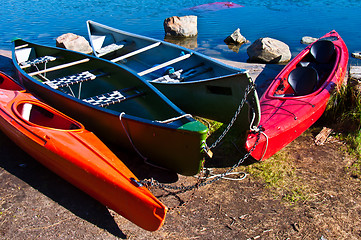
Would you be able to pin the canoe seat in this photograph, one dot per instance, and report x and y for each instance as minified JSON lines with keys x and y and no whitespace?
{"x":70,"y":80}
{"x":117,"y":96}
{"x":36,"y":61}
{"x":110,"y":48}
{"x":303,"y":80}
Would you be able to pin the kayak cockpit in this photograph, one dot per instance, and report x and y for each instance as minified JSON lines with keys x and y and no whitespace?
{"x":7,"y":83}
{"x":309,"y":73}
{"x":41,"y":116}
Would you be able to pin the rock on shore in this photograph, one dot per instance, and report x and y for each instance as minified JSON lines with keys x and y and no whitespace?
{"x":269,"y":50}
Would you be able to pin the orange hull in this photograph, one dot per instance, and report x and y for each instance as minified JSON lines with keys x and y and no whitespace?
{"x":77,"y":155}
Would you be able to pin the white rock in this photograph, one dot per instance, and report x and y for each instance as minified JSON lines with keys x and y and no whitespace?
{"x":308,"y":40}
{"x":356,"y":55}
{"x":235,"y":38}
{"x":73,"y":42}
{"x":269,"y":50}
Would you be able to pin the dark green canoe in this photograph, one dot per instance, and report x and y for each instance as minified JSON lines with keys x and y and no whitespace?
{"x":194,"y":82}
{"x":114,"y":103}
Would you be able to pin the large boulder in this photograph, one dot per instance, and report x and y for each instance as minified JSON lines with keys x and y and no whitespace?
{"x":185,"y":26}
{"x":235,"y":38}
{"x":269,"y":50}
{"x":73,"y":42}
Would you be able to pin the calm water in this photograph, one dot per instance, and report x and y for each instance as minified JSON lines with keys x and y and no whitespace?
{"x":42,"y":21}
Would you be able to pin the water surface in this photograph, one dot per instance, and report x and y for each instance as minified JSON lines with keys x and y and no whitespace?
{"x":42,"y":21}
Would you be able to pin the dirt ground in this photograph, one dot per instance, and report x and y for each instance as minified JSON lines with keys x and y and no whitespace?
{"x":37,"y":204}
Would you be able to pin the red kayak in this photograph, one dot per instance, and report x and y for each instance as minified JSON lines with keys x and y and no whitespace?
{"x":298,"y":96}
{"x":64,"y":146}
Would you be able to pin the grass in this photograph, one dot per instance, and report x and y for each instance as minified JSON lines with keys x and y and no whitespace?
{"x":343,"y":113}
{"x":280,"y":177}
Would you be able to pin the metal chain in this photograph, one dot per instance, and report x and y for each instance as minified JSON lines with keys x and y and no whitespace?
{"x":250,"y":87}
{"x":154,"y":183}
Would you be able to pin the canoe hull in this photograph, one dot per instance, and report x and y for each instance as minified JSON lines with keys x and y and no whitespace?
{"x":82,"y":159}
{"x":215,"y":99}
{"x":285,"y":118}
{"x":214,"y":90}
{"x":176,"y":145}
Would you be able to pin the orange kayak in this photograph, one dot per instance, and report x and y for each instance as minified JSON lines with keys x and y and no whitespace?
{"x":64,"y":146}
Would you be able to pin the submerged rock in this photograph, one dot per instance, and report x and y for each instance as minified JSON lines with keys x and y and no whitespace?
{"x":188,"y":42}
{"x":308,"y":40}
{"x":235,"y":38}
{"x":269,"y":50}
{"x":185,"y":26}
{"x":73,"y":42}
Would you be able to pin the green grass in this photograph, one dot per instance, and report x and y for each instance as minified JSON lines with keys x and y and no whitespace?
{"x":343,"y":114}
{"x":280,"y":177}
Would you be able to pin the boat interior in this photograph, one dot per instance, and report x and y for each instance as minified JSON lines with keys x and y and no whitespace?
{"x":8,"y":84}
{"x":310,"y":73}
{"x":40,"y":116}
{"x":154,"y":60}
{"x":94,"y":81}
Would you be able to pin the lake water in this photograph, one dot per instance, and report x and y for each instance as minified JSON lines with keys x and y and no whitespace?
{"x":42,"y":21}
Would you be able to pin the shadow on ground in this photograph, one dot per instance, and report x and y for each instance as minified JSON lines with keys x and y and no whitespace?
{"x":25,"y":168}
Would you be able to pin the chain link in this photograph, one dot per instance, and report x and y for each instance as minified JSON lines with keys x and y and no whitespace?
{"x":154,"y":183}
{"x":249,"y":89}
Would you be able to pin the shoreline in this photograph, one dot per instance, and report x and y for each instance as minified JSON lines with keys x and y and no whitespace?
{"x":262,"y":74}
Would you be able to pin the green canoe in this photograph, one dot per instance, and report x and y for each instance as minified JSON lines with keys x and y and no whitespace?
{"x":114,"y":103}
{"x":194,"y":82}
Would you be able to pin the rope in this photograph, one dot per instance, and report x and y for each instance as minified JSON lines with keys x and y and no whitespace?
{"x":242,"y":177}
{"x":130,"y":139}
{"x":175,"y":118}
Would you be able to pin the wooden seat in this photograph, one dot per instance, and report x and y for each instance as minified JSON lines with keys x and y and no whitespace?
{"x":131,"y":54}
{"x":114,"y":97}
{"x":110,"y":48}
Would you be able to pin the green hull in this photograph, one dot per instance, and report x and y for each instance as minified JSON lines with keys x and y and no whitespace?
{"x":144,"y":120}
{"x":200,"y":85}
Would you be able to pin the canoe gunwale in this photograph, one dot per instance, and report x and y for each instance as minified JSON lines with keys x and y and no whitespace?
{"x":202,"y":97}
{"x":109,"y":111}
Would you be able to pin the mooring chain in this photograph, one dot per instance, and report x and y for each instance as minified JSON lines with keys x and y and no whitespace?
{"x":251,"y":87}
{"x":154,"y":183}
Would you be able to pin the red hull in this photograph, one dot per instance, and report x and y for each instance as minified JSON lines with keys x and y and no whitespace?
{"x":284,"y":118}
{"x":68,"y":149}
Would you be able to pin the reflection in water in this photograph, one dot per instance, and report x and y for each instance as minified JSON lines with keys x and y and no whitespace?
{"x":234,"y":47}
{"x":187,"y":42}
